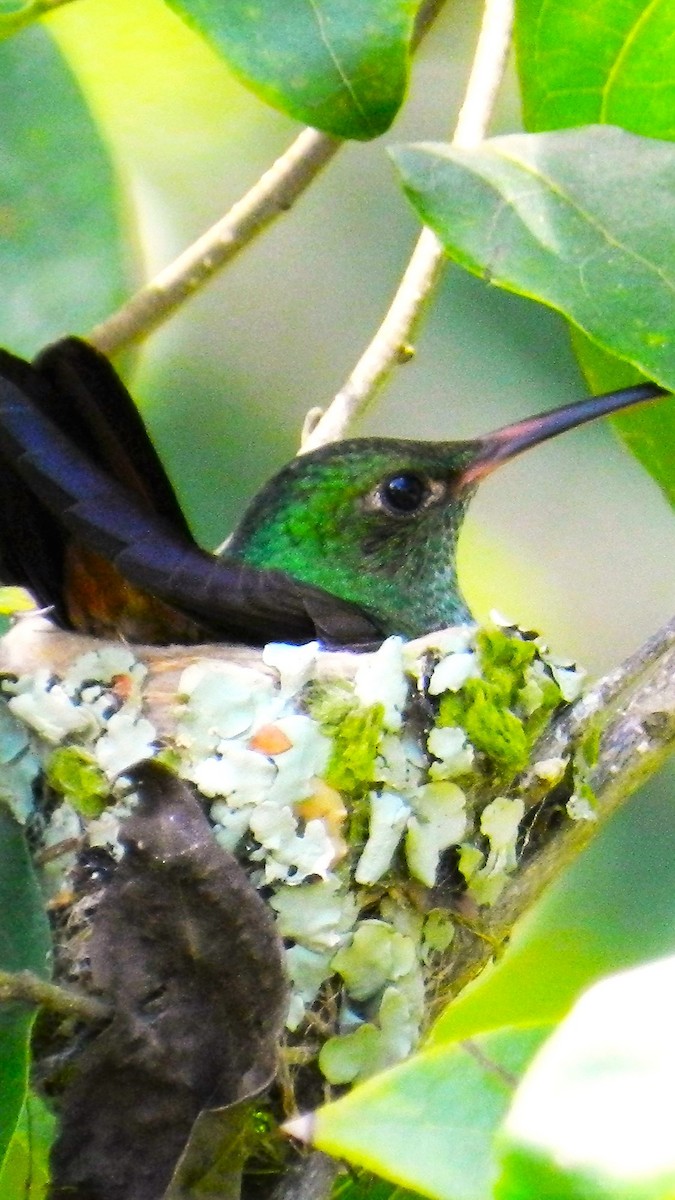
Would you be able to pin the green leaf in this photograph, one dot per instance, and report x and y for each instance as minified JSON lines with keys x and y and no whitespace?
{"x":24,"y":1175}
{"x":429,"y":1124}
{"x":545,"y":215}
{"x":579,"y":63}
{"x":593,"y":1117}
{"x":613,"y":63}
{"x":24,"y":945}
{"x":648,"y":432}
{"x":61,"y":255}
{"x":339,"y":67}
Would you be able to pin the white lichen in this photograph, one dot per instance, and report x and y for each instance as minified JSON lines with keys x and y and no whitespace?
{"x":342,"y":832}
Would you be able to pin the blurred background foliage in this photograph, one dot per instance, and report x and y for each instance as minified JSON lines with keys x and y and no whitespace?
{"x":573,"y":539}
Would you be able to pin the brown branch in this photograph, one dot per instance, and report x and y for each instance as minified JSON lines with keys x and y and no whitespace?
{"x":23,"y":987}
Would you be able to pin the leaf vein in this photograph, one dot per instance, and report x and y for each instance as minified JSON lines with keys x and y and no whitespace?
{"x":593,"y":221}
{"x":626,"y":45}
{"x":349,"y":87}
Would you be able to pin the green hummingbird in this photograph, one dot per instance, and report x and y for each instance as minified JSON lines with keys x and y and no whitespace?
{"x":349,"y":543}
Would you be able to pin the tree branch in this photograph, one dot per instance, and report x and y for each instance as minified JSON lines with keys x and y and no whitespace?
{"x":390,"y":346}
{"x":270,"y":197}
{"x":25,"y":988}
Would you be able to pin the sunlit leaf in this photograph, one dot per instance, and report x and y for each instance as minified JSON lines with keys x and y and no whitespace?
{"x":61,"y":255}
{"x":547,"y":216}
{"x":579,"y":63}
{"x":429,"y":1124}
{"x":593,"y":1115}
{"x":339,"y":67}
{"x":611,"y":63}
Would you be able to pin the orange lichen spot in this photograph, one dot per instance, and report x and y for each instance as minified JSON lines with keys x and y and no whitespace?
{"x":122,"y":686}
{"x":270,"y":739}
{"x":326,"y":804}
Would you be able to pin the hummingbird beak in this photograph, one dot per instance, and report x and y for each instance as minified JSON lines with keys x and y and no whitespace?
{"x":503,"y":445}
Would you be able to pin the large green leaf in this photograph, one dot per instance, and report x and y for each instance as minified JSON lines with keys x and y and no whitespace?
{"x":546,"y":215}
{"x":61,"y":255}
{"x":611,"y":62}
{"x":339,"y":67}
{"x":24,"y":933}
{"x":429,"y":1124}
{"x":593,"y":1117}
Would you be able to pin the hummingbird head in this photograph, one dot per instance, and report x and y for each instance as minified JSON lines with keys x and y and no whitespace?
{"x":372,"y":520}
{"x":376,"y":520}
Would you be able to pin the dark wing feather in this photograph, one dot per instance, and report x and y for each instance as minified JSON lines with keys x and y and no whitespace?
{"x":99,"y":416}
{"x":31,"y":538}
{"x":227,"y":598}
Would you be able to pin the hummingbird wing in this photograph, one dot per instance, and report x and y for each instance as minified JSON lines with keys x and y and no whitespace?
{"x":99,"y":416}
{"x":77,"y":388}
{"x":58,"y":493}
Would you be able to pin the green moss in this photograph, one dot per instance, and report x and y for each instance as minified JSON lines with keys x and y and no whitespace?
{"x":170,"y":758}
{"x":504,"y":711}
{"x":355,"y":741}
{"x":585,"y":758}
{"x":504,"y":660}
{"x":77,"y":777}
{"x":354,"y":731}
{"x":490,"y":725}
{"x":589,"y":747}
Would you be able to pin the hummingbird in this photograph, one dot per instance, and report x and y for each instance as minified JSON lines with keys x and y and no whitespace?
{"x":348,"y":544}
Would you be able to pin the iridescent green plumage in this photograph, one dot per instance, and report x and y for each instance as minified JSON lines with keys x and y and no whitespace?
{"x":323,"y":520}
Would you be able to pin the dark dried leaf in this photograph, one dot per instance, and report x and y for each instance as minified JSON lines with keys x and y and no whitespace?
{"x":188,"y":954}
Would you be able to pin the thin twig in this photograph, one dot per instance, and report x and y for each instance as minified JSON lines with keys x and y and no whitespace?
{"x":390,"y":346}
{"x":270,"y":197}
{"x":25,"y":988}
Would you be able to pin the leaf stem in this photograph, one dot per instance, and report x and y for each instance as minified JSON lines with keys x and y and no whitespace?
{"x":390,"y":345}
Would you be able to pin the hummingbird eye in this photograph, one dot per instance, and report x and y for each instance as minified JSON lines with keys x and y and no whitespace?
{"x":404,"y":494}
